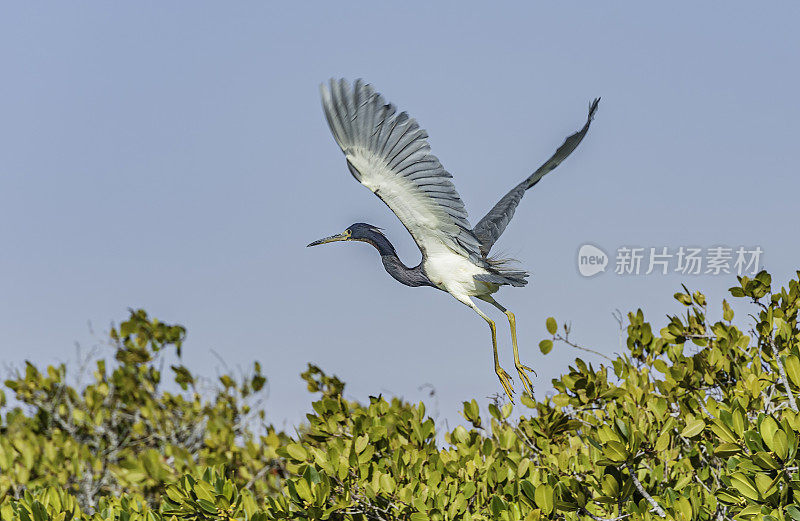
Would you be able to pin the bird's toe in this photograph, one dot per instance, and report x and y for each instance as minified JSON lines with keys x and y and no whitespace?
{"x":505,"y":380}
{"x":526,"y":381}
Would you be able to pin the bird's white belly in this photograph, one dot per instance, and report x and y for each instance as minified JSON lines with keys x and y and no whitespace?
{"x":456,"y":274}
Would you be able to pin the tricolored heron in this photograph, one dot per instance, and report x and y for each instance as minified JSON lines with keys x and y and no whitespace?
{"x":388,"y":153}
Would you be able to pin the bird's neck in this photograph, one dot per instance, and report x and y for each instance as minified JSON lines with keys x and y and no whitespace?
{"x":382,"y":244}
{"x":394,"y":266}
{"x":413,"y":277}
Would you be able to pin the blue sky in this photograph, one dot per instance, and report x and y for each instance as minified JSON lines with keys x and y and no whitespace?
{"x":177,"y":160}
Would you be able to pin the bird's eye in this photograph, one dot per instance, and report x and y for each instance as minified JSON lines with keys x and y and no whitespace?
{"x":348,"y":233}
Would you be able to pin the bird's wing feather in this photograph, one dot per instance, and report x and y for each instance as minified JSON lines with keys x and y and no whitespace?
{"x":388,"y":153}
{"x":489,"y":229}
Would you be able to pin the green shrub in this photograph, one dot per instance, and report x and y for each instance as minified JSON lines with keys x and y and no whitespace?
{"x":696,"y":421}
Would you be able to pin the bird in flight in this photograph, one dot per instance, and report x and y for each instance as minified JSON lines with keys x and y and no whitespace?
{"x":388,"y":153}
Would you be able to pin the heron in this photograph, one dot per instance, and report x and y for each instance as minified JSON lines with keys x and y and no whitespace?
{"x":388,"y":153}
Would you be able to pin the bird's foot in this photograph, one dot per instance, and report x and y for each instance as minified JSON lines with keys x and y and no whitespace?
{"x":506,"y":381}
{"x":523,"y":370}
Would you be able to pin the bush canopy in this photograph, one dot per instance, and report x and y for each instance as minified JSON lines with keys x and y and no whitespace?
{"x":698,"y":420}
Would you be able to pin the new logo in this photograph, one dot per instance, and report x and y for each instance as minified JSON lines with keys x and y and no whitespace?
{"x":591,"y":260}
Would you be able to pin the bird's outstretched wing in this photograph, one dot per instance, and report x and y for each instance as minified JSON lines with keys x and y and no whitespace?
{"x":388,"y":153}
{"x":491,"y":227}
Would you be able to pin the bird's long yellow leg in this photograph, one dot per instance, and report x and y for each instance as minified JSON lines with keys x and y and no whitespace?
{"x":505,"y":380}
{"x":521,"y":369}
{"x":501,"y":373}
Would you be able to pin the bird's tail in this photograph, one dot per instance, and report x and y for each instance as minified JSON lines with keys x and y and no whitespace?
{"x":504,"y":272}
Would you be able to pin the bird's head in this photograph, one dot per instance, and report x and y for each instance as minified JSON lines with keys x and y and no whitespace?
{"x":356,"y":232}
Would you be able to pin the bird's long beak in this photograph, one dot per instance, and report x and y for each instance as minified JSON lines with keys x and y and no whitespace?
{"x":332,"y":238}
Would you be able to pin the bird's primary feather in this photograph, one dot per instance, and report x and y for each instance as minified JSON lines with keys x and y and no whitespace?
{"x":388,"y":153}
{"x":491,"y":227}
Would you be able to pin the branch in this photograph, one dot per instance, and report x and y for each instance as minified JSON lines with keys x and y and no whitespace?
{"x":643,"y":492}
{"x":782,"y":372}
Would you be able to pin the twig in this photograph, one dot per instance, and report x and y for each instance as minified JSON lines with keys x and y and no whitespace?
{"x":617,"y":314}
{"x":703,"y":408}
{"x":257,"y":476}
{"x":565,"y":338}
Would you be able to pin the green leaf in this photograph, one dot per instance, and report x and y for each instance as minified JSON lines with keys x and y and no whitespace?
{"x":663,"y":441}
{"x":693,"y":428}
{"x":552,"y":325}
{"x":296,"y":451}
{"x":737,"y":421}
{"x":361,"y":443}
{"x":684,"y":507}
{"x":727,"y":312}
{"x":303,"y":490}
{"x":497,"y":505}
{"x":470,"y":488}
{"x":472,"y":413}
{"x":719,"y":428}
{"x":736,"y":291}
{"x":780,"y":444}
{"x":725,"y":450}
{"x":545,"y":498}
{"x":545,"y":346}
{"x":752,"y":510}
{"x":767,"y":429}
{"x":766,"y":484}
{"x":387,"y":483}
{"x":765,"y":460}
{"x":792,"y":365}
{"x":527,"y":401}
{"x":528,"y":489}
{"x":610,"y":486}
{"x":203,"y":490}
{"x":39,"y":512}
{"x":615,"y":451}
{"x":208,"y":506}
{"x":727,"y":495}
{"x":745,"y":487}
{"x":176,"y":494}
